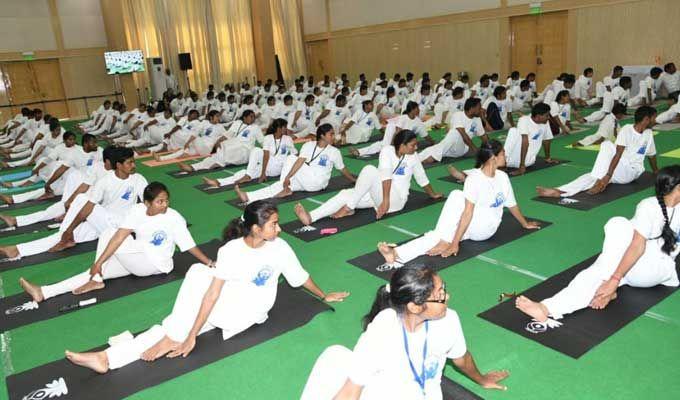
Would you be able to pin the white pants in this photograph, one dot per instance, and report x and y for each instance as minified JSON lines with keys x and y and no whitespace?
{"x":591,"y":139}
{"x":625,"y":172}
{"x":303,"y":180}
{"x":30,"y":195}
{"x":199,"y":147}
{"x":439,"y":110}
{"x":229,"y":153}
{"x":452,"y":145}
{"x":375,"y":147}
{"x":51,"y":212}
{"x":358,"y":134}
{"x":666,"y":116}
{"x":129,"y":259}
{"x":329,"y":374}
{"x":482,"y":226}
{"x":640,"y":99}
{"x":596,"y":116}
{"x":303,"y":127}
{"x":513,"y":150}
{"x":254,"y":168}
{"x":367,"y":193}
{"x":653,"y":268}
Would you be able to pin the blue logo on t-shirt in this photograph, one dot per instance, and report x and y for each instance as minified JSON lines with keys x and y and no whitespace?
{"x":323,"y":160}
{"x":564,"y":114}
{"x":401,"y":170}
{"x":284,"y":149}
{"x":208,"y":131}
{"x":473,"y":128}
{"x":500,"y":199}
{"x":158,"y":238}
{"x":369,"y":122}
{"x":536,"y":136}
{"x":337,"y":113}
{"x":127,"y":194}
{"x":262,"y":276}
{"x":642,"y":149}
{"x":245,"y":133}
{"x":431,"y":368}
{"x":90,"y":161}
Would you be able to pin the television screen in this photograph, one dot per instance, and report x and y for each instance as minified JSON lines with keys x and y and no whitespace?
{"x":123,"y":62}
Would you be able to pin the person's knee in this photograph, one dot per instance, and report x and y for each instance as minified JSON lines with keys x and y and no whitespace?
{"x":336,"y":353}
{"x":198,"y":269}
{"x":369,"y":171}
{"x":618,"y":225}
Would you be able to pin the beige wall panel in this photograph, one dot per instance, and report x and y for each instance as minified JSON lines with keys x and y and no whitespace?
{"x":25,"y":25}
{"x":82,"y":24}
{"x":86,"y":76}
{"x":314,"y":14}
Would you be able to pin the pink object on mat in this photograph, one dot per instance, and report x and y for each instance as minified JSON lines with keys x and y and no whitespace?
{"x":329,"y":231}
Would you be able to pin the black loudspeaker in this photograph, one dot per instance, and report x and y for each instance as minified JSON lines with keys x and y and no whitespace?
{"x":184,"y":61}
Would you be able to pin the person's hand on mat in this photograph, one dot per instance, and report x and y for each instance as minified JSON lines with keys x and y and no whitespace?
{"x":263,"y":179}
{"x":532,"y":225}
{"x":452,"y":250}
{"x":551,"y":161}
{"x":383,"y":208}
{"x":491,"y":380}
{"x":599,"y":186}
{"x":185,"y":348}
{"x":519,"y":171}
{"x":436,"y":196}
{"x":335,"y":297}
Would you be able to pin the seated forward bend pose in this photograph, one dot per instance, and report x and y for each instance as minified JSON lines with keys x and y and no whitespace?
{"x":175,"y":140}
{"x":359,"y":127}
{"x":608,"y":128}
{"x":474,"y":213}
{"x":649,"y":87}
{"x":409,"y":120}
{"x":233,"y":147}
{"x":618,"y":94}
{"x":157,"y":229}
{"x":560,"y":114}
{"x":619,"y":163}
{"x":524,"y":142}
{"x":670,"y":78}
{"x":673,"y":112}
{"x":497,"y":110}
{"x":265,"y":162}
{"x":248,"y":266}
{"x":385,"y":188}
{"x":202,"y":140}
{"x":310,"y":171}
{"x":409,"y":334}
{"x":639,"y":252}
{"x":465,"y":125}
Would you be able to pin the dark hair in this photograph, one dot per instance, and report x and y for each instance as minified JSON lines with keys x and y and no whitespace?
{"x":410,"y":106}
{"x":424,"y":88}
{"x":531,"y":75}
{"x":666,"y":180}
{"x":540,"y":109}
{"x":109,"y":154}
{"x":487,"y":150}
{"x":619,"y":109}
{"x":457,"y":91}
{"x":275,"y":125}
{"x":587,"y":71}
{"x":625,"y":80}
{"x":68,"y":135}
{"x":287,"y":98}
{"x":390,"y":90}
{"x":87,"y":138}
{"x":408,"y":284}
{"x":245,"y":114}
{"x":54,"y":124}
{"x":256,"y":213}
{"x":569,"y":79}
{"x":122,"y":154}
{"x":365,"y":104}
{"x":153,"y":189}
{"x":340,"y":98}
{"x":655,"y":71}
{"x":471,"y":103}
{"x":668,"y":66}
{"x":514,"y":75}
{"x":322,"y":130}
{"x":674,"y":96}
{"x":644,"y":111}
{"x":524,"y":84}
{"x":193,"y":111}
{"x":561,"y":94}
{"x":618,"y":68}
{"x":499,"y":90}
{"x":309,"y":97}
{"x":404,"y":136}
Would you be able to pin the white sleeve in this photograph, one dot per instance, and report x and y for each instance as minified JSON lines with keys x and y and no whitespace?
{"x":291,"y":268}
{"x":459,"y":347}
{"x":522,"y":127}
{"x":368,"y":352}
{"x":419,"y":174}
{"x":385,"y":167}
{"x":458,"y":121}
{"x":338,"y":163}
{"x":96,"y":192}
{"x":510,"y":201}
{"x":651,"y":148}
{"x":471,"y":189}
{"x":132,"y":219}
{"x":554,"y":109}
{"x":181,"y":234}
{"x":643,"y":221}
{"x":141,"y":185}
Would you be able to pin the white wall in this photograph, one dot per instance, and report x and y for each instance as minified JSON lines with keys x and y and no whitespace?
{"x":82,"y":24}
{"x":314,"y":16}
{"x":25,"y":25}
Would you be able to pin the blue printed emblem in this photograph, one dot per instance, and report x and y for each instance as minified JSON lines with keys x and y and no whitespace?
{"x":158,"y":238}
{"x":500,"y":199}
{"x":337,"y":113}
{"x":90,"y":162}
{"x":263,"y":276}
{"x":401,"y":170}
{"x":245,"y":133}
{"x":127,"y":194}
{"x":431,"y":368}
{"x":323,"y":160}
{"x":473,"y":128}
{"x":642,"y":150}
{"x":208,"y":131}
{"x":536,"y":136}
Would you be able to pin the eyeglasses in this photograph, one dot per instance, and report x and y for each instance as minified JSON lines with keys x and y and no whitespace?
{"x":443,"y":294}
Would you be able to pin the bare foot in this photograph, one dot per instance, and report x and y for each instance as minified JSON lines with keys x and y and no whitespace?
{"x":156,"y":156}
{"x":354,"y":152}
{"x":388,"y":252}
{"x":185,"y":167}
{"x":46,"y":195}
{"x":62,"y":245}
{"x":6,"y":199}
{"x":9,"y":220}
{"x":89,"y":287}
{"x":158,"y":350}
{"x":98,"y":362}
{"x":576,"y":144}
{"x":343,"y":212}
{"x":9,"y":251}
{"x":456,"y":174}
{"x":32,"y":290}
{"x":303,"y":215}
{"x":548,"y":192}
{"x":284,"y":193}
{"x":7,"y":185}
{"x":438,"y":249}
{"x":207,"y":181}
{"x":241,"y":194}
{"x":535,"y":310}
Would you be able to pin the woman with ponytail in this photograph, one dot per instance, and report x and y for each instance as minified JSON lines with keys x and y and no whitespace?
{"x":475,"y":213}
{"x":639,"y":252}
{"x":385,"y":188}
{"x":234,"y":295}
{"x":408,"y":336}
{"x":265,"y":162}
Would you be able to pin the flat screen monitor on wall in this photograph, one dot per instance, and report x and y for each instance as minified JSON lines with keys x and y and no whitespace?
{"x":123,"y":62}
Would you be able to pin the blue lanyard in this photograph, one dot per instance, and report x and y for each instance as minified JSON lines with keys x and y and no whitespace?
{"x":418,"y":378}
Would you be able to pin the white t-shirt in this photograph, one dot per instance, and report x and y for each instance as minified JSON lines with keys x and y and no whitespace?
{"x":536,"y":134}
{"x":336,"y":115}
{"x":246,"y":134}
{"x":581,"y":87}
{"x":322,"y":160}
{"x":400,"y":170}
{"x":638,"y":145}
{"x":649,"y":83}
{"x":472,"y":126}
{"x":118,"y":195}
{"x":159,"y":234}
{"x":365,"y":120}
{"x":482,"y":92}
{"x":251,"y":281}
{"x":415,"y":125}
{"x":454,"y":105}
{"x":607,"y":127}
{"x":671,"y":82}
{"x":489,"y":194}
{"x":504,"y":106}
{"x":563,"y":111}
{"x":380,"y":363}
{"x":649,"y":221}
{"x":611,"y":82}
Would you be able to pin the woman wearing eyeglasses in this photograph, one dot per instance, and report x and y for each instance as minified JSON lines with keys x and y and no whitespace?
{"x":408,"y":335}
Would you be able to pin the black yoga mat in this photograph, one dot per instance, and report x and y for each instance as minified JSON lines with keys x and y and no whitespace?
{"x":421,"y":145}
{"x":584,"y":201}
{"x":584,"y":329}
{"x":453,"y":391}
{"x":30,"y":203}
{"x":539,"y":165}
{"x":334,"y":184}
{"x":508,"y":231}
{"x":211,"y":190}
{"x":361,"y":217}
{"x":376,"y":137}
{"x":6,"y":231}
{"x":19,"y":310}
{"x":80,"y":248}
{"x":449,"y":160}
{"x":182,"y":174}
{"x":293,"y":309}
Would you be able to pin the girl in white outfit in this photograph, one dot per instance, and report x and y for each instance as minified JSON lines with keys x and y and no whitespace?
{"x":202,"y":142}
{"x":360,"y":126}
{"x":157,"y":230}
{"x":639,"y":252}
{"x":524,"y":142}
{"x":265,"y":162}
{"x":608,"y":128}
{"x":302,"y":123}
{"x":620,"y":163}
{"x":475,"y":213}
{"x":248,"y":266}
{"x":310,"y":171}
{"x":409,"y":335}
{"x":385,"y":189}
{"x":175,"y":140}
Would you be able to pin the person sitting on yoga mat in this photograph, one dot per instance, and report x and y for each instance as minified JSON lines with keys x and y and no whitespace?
{"x":409,"y":334}
{"x":618,"y":94}
{"x":178,"y":136}
{"x":620,"y":163}
{"x":202,"y":141}
{"x":639,"y":252}
{"x":233,"y":147}
{"x":465,"y":125}
{"x":265,"y":162}
{"x":475,"y":213}
{"x":524,"y":142}
{"x":301,"y":124}
{"x":359,"y":127}
{"x":560,"y":113}
{"x":497,"y":110}
{"x":608,"y":129}
{"x":409,"y":121}
{"x":103,"y":207}
{"x":310,"y":171}
{"x":385,"y":189}
{"x":672,"y":115}
{"x":157,"y":229}
{"x":248,"y":267}
{"x":44,"y":143}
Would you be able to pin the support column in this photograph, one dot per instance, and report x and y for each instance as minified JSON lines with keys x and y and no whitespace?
{"x":263,"y":39}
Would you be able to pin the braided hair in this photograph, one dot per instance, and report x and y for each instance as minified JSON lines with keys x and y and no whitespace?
{"x":666,"y":180}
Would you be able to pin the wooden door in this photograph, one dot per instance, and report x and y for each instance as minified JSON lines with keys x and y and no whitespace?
{"x":37,"y":84}
{"x":318,"y":57}
{"x":47,"y":75}
{"x":539,"y":44}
